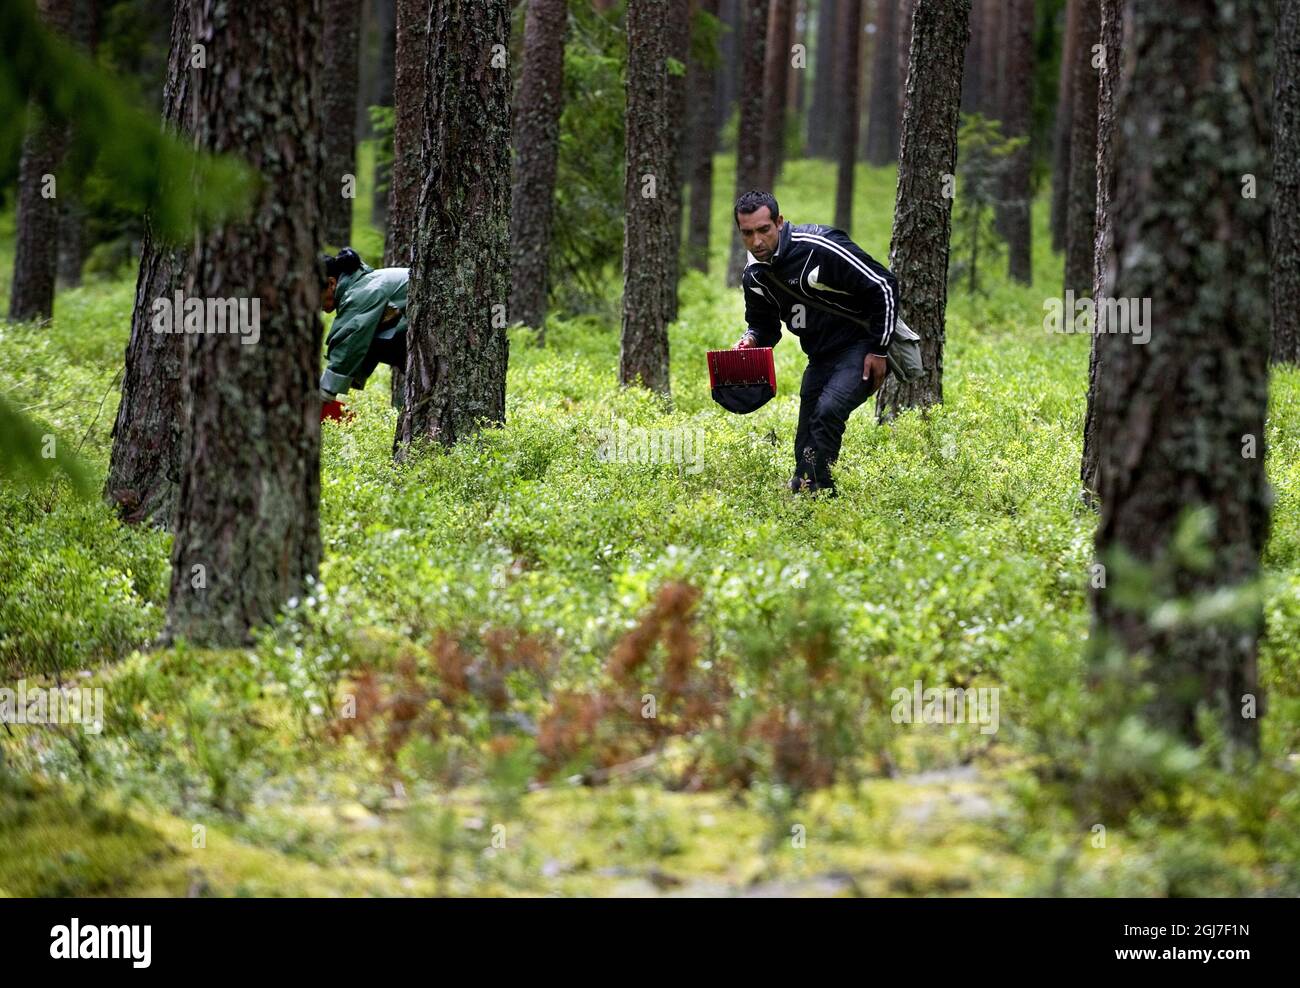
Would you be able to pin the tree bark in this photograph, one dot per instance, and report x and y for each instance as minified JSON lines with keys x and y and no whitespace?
{"x":144,"y":468}
{"x":410,"y":79}
{"x":1062,"y":158}
{"x":72,"y":211}
{"x":643,"y":354}
{"x":728,"y":75}
{"x":1081,"y":215}
{"x":339,"y":87}
{"x":678,"y":39}
{"x":904,"y":44}
{"x":882,"y":121}
{"x":1111,"y":36}
{"x":1181,"y":418}
{"x":1286,"y":187}
{"x":36,"y":225}
{"x":385,"y":83}
{"x":749,"y":150}
{"x":971,"y":82}
{"x":994,"y":48}
{"x":775,"y":82}
{"x":537,"y":144}
{"x":821,"y":115}
{"x":850,"y":36}
{"x":704,"y":138}
{"x":1018,"y":86}
{"x":794,"y":78}
{"x":247,"y":525}
{"x":457,"y":350}
{"x":409,"y":87}
{"x":386,"y":71}
{"x":923,"y":208}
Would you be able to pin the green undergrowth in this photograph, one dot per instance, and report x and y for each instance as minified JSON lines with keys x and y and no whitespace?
{"x":490,"y":622}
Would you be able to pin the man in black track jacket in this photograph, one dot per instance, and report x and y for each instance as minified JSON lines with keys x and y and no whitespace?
{"x":841,"y":304}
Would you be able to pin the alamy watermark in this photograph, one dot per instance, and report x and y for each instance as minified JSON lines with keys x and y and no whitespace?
{"x":58,"y":705}
{"x":1109,"y":315}
{"x":952,"y":705}
{"x":132,"y":942}
{"x":242,"y":316}
{"x":637,"y":444}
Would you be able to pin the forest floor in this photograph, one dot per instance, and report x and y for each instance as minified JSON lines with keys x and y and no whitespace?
{"x":460,"y":707}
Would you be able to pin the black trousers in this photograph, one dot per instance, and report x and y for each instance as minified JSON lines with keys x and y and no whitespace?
{"x":832,"y":388}
{"x":391,"y":351}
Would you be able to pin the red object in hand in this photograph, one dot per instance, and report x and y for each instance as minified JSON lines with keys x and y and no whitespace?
{"x":334,"y":411}
{"x":751,"y":365}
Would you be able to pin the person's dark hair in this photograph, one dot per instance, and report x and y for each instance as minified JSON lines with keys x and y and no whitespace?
{"x":345,"y":262}
{"x":754,"y":200}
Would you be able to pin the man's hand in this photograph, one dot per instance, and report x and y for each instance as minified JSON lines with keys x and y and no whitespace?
{"x":745,"y":342}
{"x":874,"y":369}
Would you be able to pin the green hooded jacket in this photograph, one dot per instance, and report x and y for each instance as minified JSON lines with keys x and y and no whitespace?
{"x":360,"y":301}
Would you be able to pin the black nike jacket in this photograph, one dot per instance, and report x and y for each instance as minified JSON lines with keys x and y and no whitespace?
{"x":825,"y":288}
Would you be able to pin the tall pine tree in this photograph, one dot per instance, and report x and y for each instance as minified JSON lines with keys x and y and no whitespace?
{"x":1180,"y":417}
{"x":247,"y":521}
{"x":456,"y":349}
{"x":643,"y":353}
{"x":923,"y":208}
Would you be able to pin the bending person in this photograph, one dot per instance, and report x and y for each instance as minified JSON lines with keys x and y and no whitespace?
{"x":370,"y":322}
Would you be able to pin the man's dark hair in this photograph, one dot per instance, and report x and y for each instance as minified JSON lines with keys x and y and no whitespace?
{"x":344,"y":263}
{"x":752,"y":201}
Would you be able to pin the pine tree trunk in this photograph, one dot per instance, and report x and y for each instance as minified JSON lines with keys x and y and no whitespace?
{"x":923,"y":210}
{"x":867,"y":48}
{"x":36,"y":232}
{"x":247,"y":520}
{"x":850,"y":31}
{"x":72,"y":240}
{"x":1081,"y":215}
{"x":1111,"y":36}
{"x":643,"y":354}
{"x":749,"y":153}
{"x":537,"y":142}
{"x":1018,"y":86}
{"x":1181,"y":418}
{"x":971,"y":81}
{"x":456,"y":349}
{"x":882,"y":121}
{"x":821,"y":115}
{"x":72,"y":212}
{"x":385,"y":13}
{"x":704,"y":139}
{"x":994,"y":48}
{"x":144,"y":468}
{"x":678,"y":39}
{"x":728,"y":74}
{"x":1062,"y":158}
{"x":404,"y":176}
{"x":775,"y":80}
{"x":339,"y":86}
{"x":410,"y":82}
{"x":794,"y":79}
{"x":385,"y":83}
{"x":904,"y":41}
{"x":1286,"y":186}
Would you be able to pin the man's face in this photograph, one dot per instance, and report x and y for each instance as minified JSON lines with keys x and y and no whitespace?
{"x":760,"y":232}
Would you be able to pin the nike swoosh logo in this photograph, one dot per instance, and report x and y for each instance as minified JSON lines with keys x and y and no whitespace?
{"x":813,"y":283}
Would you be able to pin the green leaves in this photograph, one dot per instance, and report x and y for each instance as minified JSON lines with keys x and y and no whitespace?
{"x":150,"y":170}
{"x":29,"y":456}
